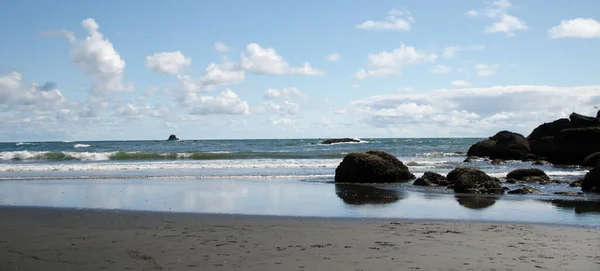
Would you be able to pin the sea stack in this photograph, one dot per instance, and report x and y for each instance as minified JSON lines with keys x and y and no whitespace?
{"x":173,"y":137}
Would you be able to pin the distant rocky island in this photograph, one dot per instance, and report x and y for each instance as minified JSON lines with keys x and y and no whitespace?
{"x":173,"y":137}
{"x":340,"y":140}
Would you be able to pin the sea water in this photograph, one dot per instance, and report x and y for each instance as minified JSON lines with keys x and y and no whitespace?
{"x":272,"y":177}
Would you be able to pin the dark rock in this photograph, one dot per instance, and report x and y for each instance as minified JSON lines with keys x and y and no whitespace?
{"x":591,"y":180}
{"x":340,"y":140}
{"x":173,"y":137}
{"x":528,"y":175}
{"x":525,"y":190}
{"x":511,"y":181}
{"x":578,"y":120}
{"x":576,"y":183}
{"x":503,"y":145}
{"x":541,"y":163}
{"x":371,"y":167}
{"x":475,"y":181}
{"x":549,"y":129}
{"x":470,"y":159}
{"x":591,"y":160}
{"x":498,"y":162}
{"x":476,"y":201}
{"x":431,"y":178}
{"x":568,"y":193}
{"x":566,"y":141}
{"x":357,"y":194}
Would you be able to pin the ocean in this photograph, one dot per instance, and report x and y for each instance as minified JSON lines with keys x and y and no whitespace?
{"x":270,"y":177}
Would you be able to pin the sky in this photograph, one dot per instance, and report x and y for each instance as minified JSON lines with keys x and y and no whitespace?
{"x":136,"y":70}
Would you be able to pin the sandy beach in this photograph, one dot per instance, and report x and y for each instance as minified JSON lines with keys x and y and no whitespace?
{"x":70,"y":239}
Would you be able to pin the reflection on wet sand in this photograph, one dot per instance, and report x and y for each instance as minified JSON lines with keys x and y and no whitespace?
{"x":578,"y":206}
{"x":476,"y":201}
{"x":365,"y":194}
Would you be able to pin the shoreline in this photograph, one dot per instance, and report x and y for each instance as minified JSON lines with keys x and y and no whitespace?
{"x":41,"y":238}
{"x":127,"y":212}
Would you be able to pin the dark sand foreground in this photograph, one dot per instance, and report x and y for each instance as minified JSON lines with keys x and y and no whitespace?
{"x":63,"y":239}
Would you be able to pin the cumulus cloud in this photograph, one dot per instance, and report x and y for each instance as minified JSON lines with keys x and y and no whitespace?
{"x":334,"y":57}
{"x":225,"y":73}
{"x":168,"y":62}
{"x":475,"y":111}
{"x":486,"y":70}
{"x":266,"y":61}
{"x":396,"y":20}
{"x":283,"y":102}
{"x":221,"y":47}
{"x":502,"y":21}
{"x":15,"y":94}
{"x":99,"y":59}
{"x":576,"y":28}
{"x":387,"y":63}
{"x":460,"y":83}
{"x":227,"y":103}
{"x":441,"y":69}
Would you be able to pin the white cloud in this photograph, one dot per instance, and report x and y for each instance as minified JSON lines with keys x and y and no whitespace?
{"x":441,"y":69}
{"x":474,"y":111}
{"x":168,"y":62}
{"x":335,"y":57}
{"x":281,"y":121}
{"x":15,"y":94}
{"x":460,"y":83}
{"x":267,"y":61}
{"x":486,"y":70}
{"x":221,"y":47}
{"x":502,"y":21}
{"x":98,"y":58}
{"x":283,"y":102}
{"x":222,"y":74}
{"x":130,"y":110}
{"x":397,"y":20}
{"x":386,"y":63}
{"x":576,"y":28}
{"x":227,"y":103}
{"x":225,"y":73}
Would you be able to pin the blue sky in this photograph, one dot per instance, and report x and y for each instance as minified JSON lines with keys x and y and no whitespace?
{"x":109,"y":70}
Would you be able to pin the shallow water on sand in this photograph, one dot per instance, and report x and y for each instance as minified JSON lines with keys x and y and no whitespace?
{"x":286,"y":197}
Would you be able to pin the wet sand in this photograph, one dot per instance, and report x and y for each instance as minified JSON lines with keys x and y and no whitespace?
{"x":68,"y":239}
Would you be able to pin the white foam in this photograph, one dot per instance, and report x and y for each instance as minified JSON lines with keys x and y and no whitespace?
{"x":80,"y":146}
{"x":212,"y":164}
{"x":24,"y":143}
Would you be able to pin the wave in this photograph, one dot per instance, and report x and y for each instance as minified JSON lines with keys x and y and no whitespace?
{"x":24,"y":143}
{"x":101,"y":156}
{"x":81,"y":146}
{"x":145,"y":166}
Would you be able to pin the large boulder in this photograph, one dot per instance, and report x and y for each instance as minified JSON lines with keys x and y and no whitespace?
{"x":503,"y":145}
{"x":591,"y":160}
{"x":340,"y":140}
{"x":173,"y":137}
{"x":591,"y":180}
{"x":474,"y":181}
{"x":372,"y":167}
{"x":430,"y":179}
{"x":566,"y":141}
{"x":528,"y":175}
